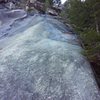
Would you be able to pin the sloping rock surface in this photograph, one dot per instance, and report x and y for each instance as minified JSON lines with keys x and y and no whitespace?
{"x":39,"y":62}
{"x":8,"y":17}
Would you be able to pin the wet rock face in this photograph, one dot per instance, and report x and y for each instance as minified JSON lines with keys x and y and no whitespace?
{"x":39,"y":62}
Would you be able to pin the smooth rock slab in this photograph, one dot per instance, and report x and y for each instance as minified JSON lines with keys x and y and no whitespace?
{"x":36,"y":66}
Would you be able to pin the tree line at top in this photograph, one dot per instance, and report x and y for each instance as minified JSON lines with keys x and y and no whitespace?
{"x":85,"y":18}
{"x":84,"y":14}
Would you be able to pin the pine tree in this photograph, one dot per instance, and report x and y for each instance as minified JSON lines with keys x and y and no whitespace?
{"x":86,"y":18}
{"x":94,"y":10}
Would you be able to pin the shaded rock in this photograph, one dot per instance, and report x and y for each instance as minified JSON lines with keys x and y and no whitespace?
{"x":8,"y":17}
{"x":10,"y":5}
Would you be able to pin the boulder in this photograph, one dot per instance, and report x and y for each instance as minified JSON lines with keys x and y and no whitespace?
{"x":39,"y":6}
{"x":10,"y":5}
{"x":52,"y":12}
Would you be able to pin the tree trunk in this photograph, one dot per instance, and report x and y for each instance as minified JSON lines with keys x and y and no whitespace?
{"x":97,"y":25}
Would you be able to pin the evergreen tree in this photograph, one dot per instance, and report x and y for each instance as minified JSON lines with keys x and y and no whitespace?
{"x":94,"y":6}
{"x":86,"y":19}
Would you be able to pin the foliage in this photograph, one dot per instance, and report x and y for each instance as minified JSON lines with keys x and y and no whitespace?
{"x":48,"y":3}
{"x":91,"y":42}
{"x":83,"y":14}
{"x":85,"y":17}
